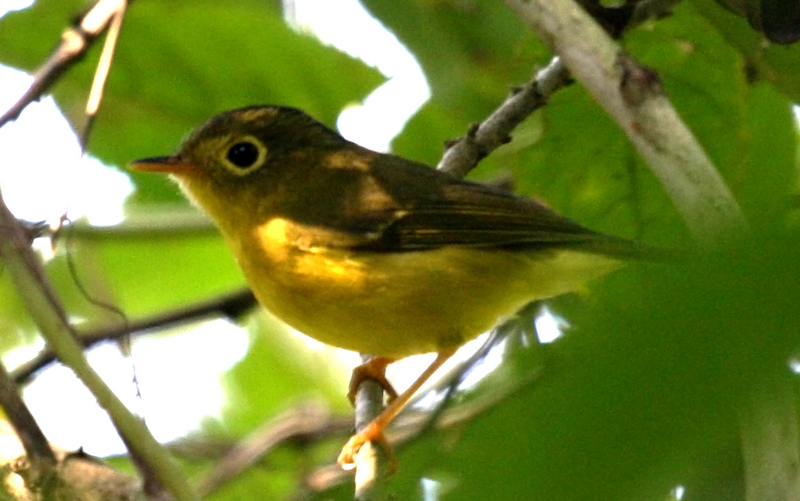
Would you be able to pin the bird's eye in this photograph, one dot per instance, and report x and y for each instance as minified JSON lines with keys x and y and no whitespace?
{"x":243,"y":154}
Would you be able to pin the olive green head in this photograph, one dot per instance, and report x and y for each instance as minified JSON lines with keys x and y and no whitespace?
{"x":239,"y":143}
{"x":247,"y":158}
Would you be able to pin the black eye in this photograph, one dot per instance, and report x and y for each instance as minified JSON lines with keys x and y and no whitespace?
{"x":243,"y":154}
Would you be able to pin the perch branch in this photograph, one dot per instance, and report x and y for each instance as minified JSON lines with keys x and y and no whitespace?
{"x":371,"y":463}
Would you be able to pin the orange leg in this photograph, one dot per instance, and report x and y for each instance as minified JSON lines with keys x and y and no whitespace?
{"x":373,"y":432}
{"x":375,"y":369}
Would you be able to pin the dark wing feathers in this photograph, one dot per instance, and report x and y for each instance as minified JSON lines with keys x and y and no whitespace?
{"x":470,"y":214}
{"x":420,"y":208}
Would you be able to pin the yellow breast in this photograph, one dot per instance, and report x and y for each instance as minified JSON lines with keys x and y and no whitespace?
{"x":399,"y":304}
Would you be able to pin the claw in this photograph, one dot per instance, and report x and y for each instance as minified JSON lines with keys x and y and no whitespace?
{"x":375,"y":369}
{"x":373,"y":432}
{"x":347,"y":458}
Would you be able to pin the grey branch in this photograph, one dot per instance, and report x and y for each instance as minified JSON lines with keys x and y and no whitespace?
{"x":465,"y":153}
{"x":632,"y":95}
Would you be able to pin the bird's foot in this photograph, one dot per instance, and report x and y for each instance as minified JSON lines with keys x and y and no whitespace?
{"x":375,"y":369}
{"x":373,"y":434}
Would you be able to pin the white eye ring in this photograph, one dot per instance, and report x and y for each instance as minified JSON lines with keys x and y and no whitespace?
{"x":244,"y":155}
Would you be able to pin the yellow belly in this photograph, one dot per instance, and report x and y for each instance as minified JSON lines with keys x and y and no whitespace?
{"x":400,"y":304}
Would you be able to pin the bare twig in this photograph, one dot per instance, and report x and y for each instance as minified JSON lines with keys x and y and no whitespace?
{"x":103,"y":69}
{"x":230,"y":305}
{"x":465,"y":153}
{"x":75,"y":41}
{"x":306,"y":422}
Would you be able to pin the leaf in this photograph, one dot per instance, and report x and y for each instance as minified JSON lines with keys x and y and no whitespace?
{"x":179,"y":63}
{"x":632,"y":401}
{"x":777,"y":64}
{"x":472,"y":53}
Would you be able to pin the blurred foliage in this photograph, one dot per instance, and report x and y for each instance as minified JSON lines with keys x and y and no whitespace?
{"x":642,"y":393}
{"x":779,"y":20}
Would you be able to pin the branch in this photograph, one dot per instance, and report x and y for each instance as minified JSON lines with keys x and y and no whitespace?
{"x":411,"y":424}
{"x":371,"y":463}
{"x":51,"y":319}
{"x":41,"y":458}
{"x":75,"y":42}
{"x":633,"y":96}
{"x":308,"y":422}
{"x":230,"y":305}
{"x":464,"y":154}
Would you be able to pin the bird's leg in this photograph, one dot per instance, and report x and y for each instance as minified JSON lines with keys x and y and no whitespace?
{"x":375,"y":369}
{"x":373,"y":432}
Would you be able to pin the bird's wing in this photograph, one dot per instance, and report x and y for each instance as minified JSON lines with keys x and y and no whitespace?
{"x":408,"y":207}
{"x":471,"y":214}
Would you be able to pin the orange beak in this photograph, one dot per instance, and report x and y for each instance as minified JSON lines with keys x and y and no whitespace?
{"x":168,"y":165}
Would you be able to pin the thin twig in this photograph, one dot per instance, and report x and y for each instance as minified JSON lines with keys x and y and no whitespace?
{"x":230,"y":305}
{"x":307,"y":422}
{"x":450,"y":382}
{"x":464,"y":154}
{"x":103,"y":69}
{"x":75,"y":42}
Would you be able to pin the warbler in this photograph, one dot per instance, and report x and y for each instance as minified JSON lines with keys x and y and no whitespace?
{"x":372,"y":252}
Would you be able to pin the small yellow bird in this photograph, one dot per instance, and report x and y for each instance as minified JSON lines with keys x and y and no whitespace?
{"x":372,"y":252}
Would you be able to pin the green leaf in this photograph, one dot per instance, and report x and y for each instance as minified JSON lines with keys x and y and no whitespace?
{"x":127,"y":266}
{"x":472,"y":53}
{"x":778,"y":64}
{"x":179,"y":63}
{"x":632,"y":401}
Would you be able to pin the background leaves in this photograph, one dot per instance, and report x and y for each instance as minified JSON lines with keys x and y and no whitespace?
{"x":642,"y":393}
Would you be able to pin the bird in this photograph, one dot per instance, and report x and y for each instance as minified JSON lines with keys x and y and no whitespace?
{"x":373,"y":252}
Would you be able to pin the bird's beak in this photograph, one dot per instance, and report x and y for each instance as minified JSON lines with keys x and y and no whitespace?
{"x":168,"y":165}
